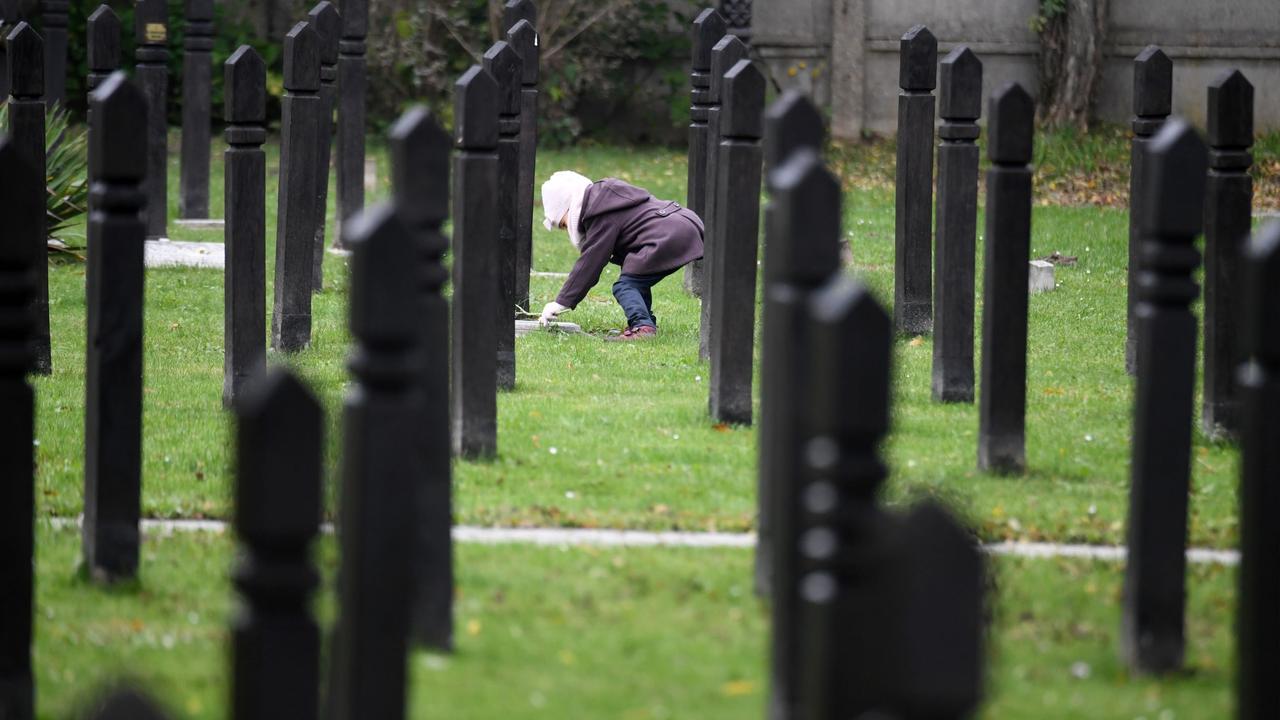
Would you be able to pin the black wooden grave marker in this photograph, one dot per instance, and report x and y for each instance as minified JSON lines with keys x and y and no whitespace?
{"x":1172,"y":205}
{"x":1152,"y":103}
{"x":474,"y":339}
{"x":420,"y":180}
{"x":794,"y":264}
{"x":913,"y":241}
{"x":382,"y":459}
{"x":197,"y":99}
{"x":724,"y":56}
{"x":353,"y":80}
{"x":244,"y":232}
{"x":113,"y":353}
{"x":1227,"y":221}
{"x":53,"y":28}
{"x":504,"y":64}
{"x":732,"y":287}
{"x":1002,"y":405}
{"x":27,"y":133}
{"x":18,"y":260}
{"x":275,"y":646}
{"x":1257,"y":624}
{"x":327,"y":22}
{"x":960,"y":106}
{"x":522,"y":36}
{"x":296,"y":217}
{"x":103,"y":48}
{"x":708,"y":28}
{"x":151,"y":55}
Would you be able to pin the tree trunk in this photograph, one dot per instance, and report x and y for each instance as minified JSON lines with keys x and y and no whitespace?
{"x":1071,"y":62}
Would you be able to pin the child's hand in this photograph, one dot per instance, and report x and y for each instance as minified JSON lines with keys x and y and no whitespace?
{"x":550,"y":311}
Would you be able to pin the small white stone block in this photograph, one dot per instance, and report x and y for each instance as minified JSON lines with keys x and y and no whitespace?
{"x":546,"y":274}
{"x":1040,"y":276}
{"x":175,"y":253}
{"x":524,"y":327}
{"x":201,"y":223}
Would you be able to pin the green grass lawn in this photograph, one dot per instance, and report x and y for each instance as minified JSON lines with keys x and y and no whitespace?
{"x":600,"y":434}
{"x":546,"y":632}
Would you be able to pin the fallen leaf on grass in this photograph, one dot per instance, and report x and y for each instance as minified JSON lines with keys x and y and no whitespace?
{"x":737,"y":688}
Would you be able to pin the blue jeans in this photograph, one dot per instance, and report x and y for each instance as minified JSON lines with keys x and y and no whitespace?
{"x":632,"y":293}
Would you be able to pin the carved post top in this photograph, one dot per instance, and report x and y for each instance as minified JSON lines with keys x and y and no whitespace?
{"x":244,"y":77}
{"x":918,"y":60}
{"x":324,"y":17}
{"x":807,"y":201}
{"x":355,"y":19}
{"x":524,"y":38}
{"x":516,"y":10}
{"x":1010,"y":125}
{"x":16,"y":176}
{"x":119,"y":108}
{"x":1231,"y":111}
{"x":726,"y":53}
{"x":1260,"y":336}
{"x":1152,"y":84}
{"x":743,"y":113}
{"x":26,"y":62}
{"x":104,"y":31}
{"x":151,"y":23}
{"x":851,"y":342}
{"x":383,"y":271}
{"x":199,"y":10}
{"x":302,"y":59}
{"x":475,"y":110}
{"x":708,"y":28}
{"x":504,"y":64}
{"x":279,"y":446}
{"x":420,"y":151}
{"x":790,"y":123}
{"x":1173,"y":186}
{"x":960,"y":86}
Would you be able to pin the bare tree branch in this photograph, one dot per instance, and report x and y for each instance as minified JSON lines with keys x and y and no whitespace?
{"x":597,"y":17}
{"x":448,"y":26}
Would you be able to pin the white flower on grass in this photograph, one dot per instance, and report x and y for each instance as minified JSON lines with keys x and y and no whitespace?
{"x":552,"y":450}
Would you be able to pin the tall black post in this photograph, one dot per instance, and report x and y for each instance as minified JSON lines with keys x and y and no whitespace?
{"x":103,"y":48}
{"x":275,"y":646}
{"x":524,"y":38}
{"x":504,"y":64}
{"x":18,"y":260}
{"x":27,"y":133}
{"x":113,"y":353}
{"x":1257,"y":624}
{"x":53,"y":26}
{"x":296,"y":216}
{"x":960,"y":95}
{"x":328,"y":24}
{"x":1002,"y":406}
{"x":245,"y":231}
{"x":151,"y":33}
{"x":8,"y":19}
{"x":1172,"y":205}
{"x":352,"y":84}
{"x":1227,"y":218}
{"x":708,"y":28}
{"x":724,"y":56}
{"x":381,"y":463}
{"x":732,"y":280}
{"x":197,"y":99}
{"x":420,"y":180}
{"x":913,"y":241}
{"x":794,"y":264}
{"x":1152,"y":103}
{"x":474,"y":340}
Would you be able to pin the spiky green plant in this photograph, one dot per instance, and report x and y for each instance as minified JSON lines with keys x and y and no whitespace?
{"x":66,"y":167}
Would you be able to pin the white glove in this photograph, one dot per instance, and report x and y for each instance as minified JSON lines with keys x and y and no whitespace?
{"x":550,"y":311}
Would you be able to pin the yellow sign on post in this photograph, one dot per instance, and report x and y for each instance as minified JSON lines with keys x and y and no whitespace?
{"x":156,"y":32}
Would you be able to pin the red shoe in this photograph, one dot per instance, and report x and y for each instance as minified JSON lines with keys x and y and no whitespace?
{"x":639,"y":332}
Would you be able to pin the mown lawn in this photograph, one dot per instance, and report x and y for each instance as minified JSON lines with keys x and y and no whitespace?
{"x":599,"y":434}
{"x":631,"y":634}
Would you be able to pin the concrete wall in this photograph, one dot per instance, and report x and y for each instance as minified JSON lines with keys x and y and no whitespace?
{"x":1203,"y":39}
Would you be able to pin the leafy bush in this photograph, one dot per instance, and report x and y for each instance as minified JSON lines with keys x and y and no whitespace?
{"x":66,"y":165}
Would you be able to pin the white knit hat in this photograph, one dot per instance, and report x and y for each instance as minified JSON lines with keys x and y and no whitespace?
{"x":561,"y":194}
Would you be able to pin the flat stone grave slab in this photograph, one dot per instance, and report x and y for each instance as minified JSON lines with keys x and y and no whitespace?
{"x":175,"y":253}
{"x":524,"y":327}
{"x":201,"y":223}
